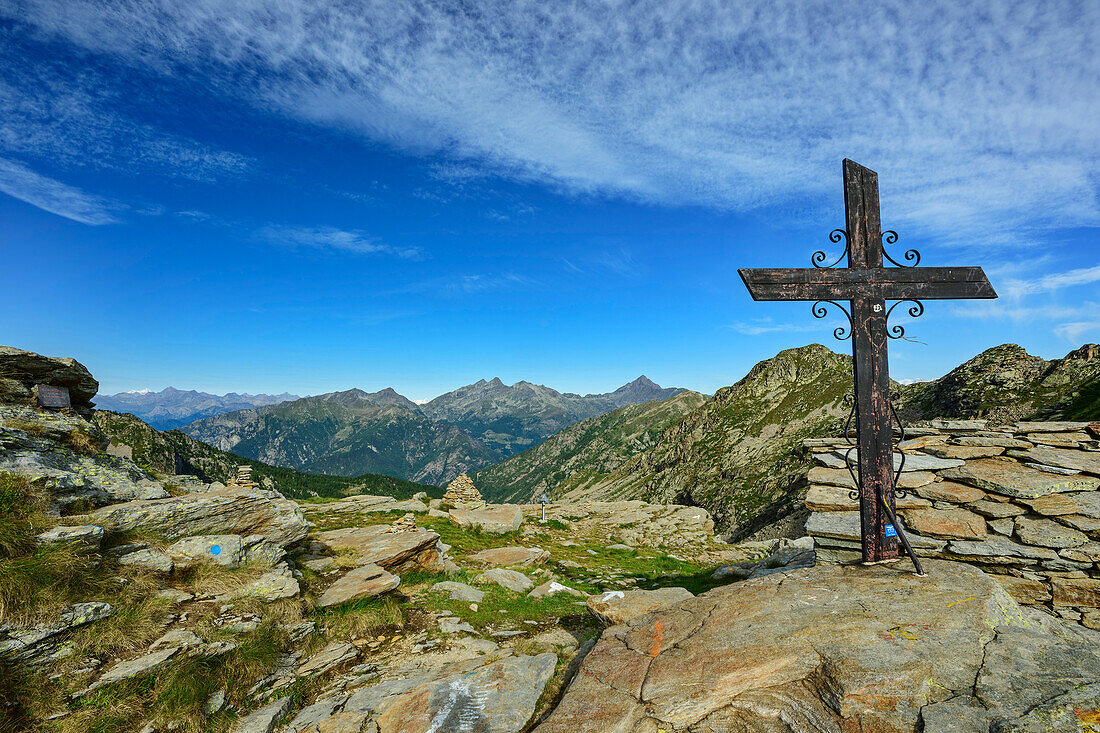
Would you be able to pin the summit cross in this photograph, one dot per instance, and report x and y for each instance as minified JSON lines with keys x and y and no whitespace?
{"x":867,"y":285}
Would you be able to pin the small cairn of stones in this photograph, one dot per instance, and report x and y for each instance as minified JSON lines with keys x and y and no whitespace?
{"x":406,"y":523}
{"x":462,"y":494}
{"x":243,"y":479}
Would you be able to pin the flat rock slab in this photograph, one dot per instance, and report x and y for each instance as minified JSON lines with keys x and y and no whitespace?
{"x":510,"y":556}
{"x":1077,"y":460}
{"x":366,"y":504}
{"x":913,"y":461}
{"x":37,"y":643}
{"x":220,"y":549}
{"x":269,"y":587}
{"x":507,"y":579}
{"x":997,"y":551}
{"x":263,"y":720}
{"x":365,"y":581}
{"x":226,"y":511}
{"x":133,"y":667}
{"x":553,"y":588}
{"x":1010,"y":478}
{"x":946,"y":523}
{"x":619,"y":606}
{"x":836,"y":499}
{"x":950,"y":491}
{"x":846,"y":526}
{"x":1048,"y":533}
{"x":148,"y":559}
{"x":459,"y":591}
{"x":87,"y":537}
{"x":331,"y":656}
{"x":397,"y":551}
{"x":841,"y":477}
{"x":478,"y":695}
{"x":827,"y":648}
{"x":1025,"y":591}
{"x":496,"y":518}
{"x":965,"y":452}
{"x":1049,"y":427}
{"x":1076,"y":592}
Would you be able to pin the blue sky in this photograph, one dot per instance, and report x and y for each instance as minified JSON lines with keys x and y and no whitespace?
{"x":309,"y":196}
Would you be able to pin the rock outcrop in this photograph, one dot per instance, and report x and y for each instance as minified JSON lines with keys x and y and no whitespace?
{"x":220,"y":511}
{"x":832,"y":649}
{"x":494,"y":518}
{"x":394,"y":551}
{"x":40,"y":445}
{"x":21,"y":370}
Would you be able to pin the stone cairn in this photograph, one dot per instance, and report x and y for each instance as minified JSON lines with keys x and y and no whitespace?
{"x":1021,"y":501}
{"x":406,"y":523}
{"x":462,"y":494}
{"x":243,"y":479}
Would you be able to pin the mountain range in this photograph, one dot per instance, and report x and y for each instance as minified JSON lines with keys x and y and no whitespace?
{"x":173,"y":408}
{"x":172,"y":452}
{"x":738,"y":454}
{"x":352,"y":432}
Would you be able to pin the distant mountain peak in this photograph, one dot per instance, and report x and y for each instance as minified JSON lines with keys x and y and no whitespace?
{"x":173,"y":408}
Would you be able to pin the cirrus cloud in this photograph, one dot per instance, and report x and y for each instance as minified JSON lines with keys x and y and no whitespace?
{"x":980,"y":117}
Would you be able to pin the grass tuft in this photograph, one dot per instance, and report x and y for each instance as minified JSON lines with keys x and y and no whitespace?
{"x":363,"y":617}
{"x":82,"y":442}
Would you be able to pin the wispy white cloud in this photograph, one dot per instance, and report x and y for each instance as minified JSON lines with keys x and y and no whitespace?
{"x":1018,"y":288}
{"x":1072,"y":332}
{"x":758,"y":326}
{"x":469,"y":284}
{"x":979,"y":118}
{"x":333,"y":239}
{"x":73,"y":118}
{"x":617,"y":261}
{"x":53,"y":196}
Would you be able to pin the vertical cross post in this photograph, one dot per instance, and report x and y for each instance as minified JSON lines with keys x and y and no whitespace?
{"x":874,"y":437}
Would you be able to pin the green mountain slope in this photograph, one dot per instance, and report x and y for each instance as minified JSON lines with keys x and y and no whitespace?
{"x":509,"y":419}
{"x":735,"y":454}
{"x":346,"y":434}
{"x":592,"y":447}
{"x":1006,"y":383}
{"x":173,"y":452}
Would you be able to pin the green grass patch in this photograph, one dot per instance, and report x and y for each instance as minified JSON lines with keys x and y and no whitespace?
{"x":362,"y":618}
{"x":503,"y":609}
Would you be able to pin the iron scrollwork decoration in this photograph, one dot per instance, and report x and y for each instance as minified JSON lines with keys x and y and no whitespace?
{"x":915,"y":311}
{"x":820,"y":310}
{"x":850,"y":399}
{"x":891,"y":237}
{"x":819,"y":256}
{"x":898,"y":492}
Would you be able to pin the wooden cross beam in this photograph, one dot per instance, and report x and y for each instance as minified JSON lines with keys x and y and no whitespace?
{"x":868,"y":285}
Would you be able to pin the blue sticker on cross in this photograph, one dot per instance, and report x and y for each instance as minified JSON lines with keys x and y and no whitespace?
{"x":890,"y":531}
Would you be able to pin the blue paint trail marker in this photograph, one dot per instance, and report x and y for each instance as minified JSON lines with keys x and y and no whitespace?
{"x":890,"y":531}
{"x":215,"y":549}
